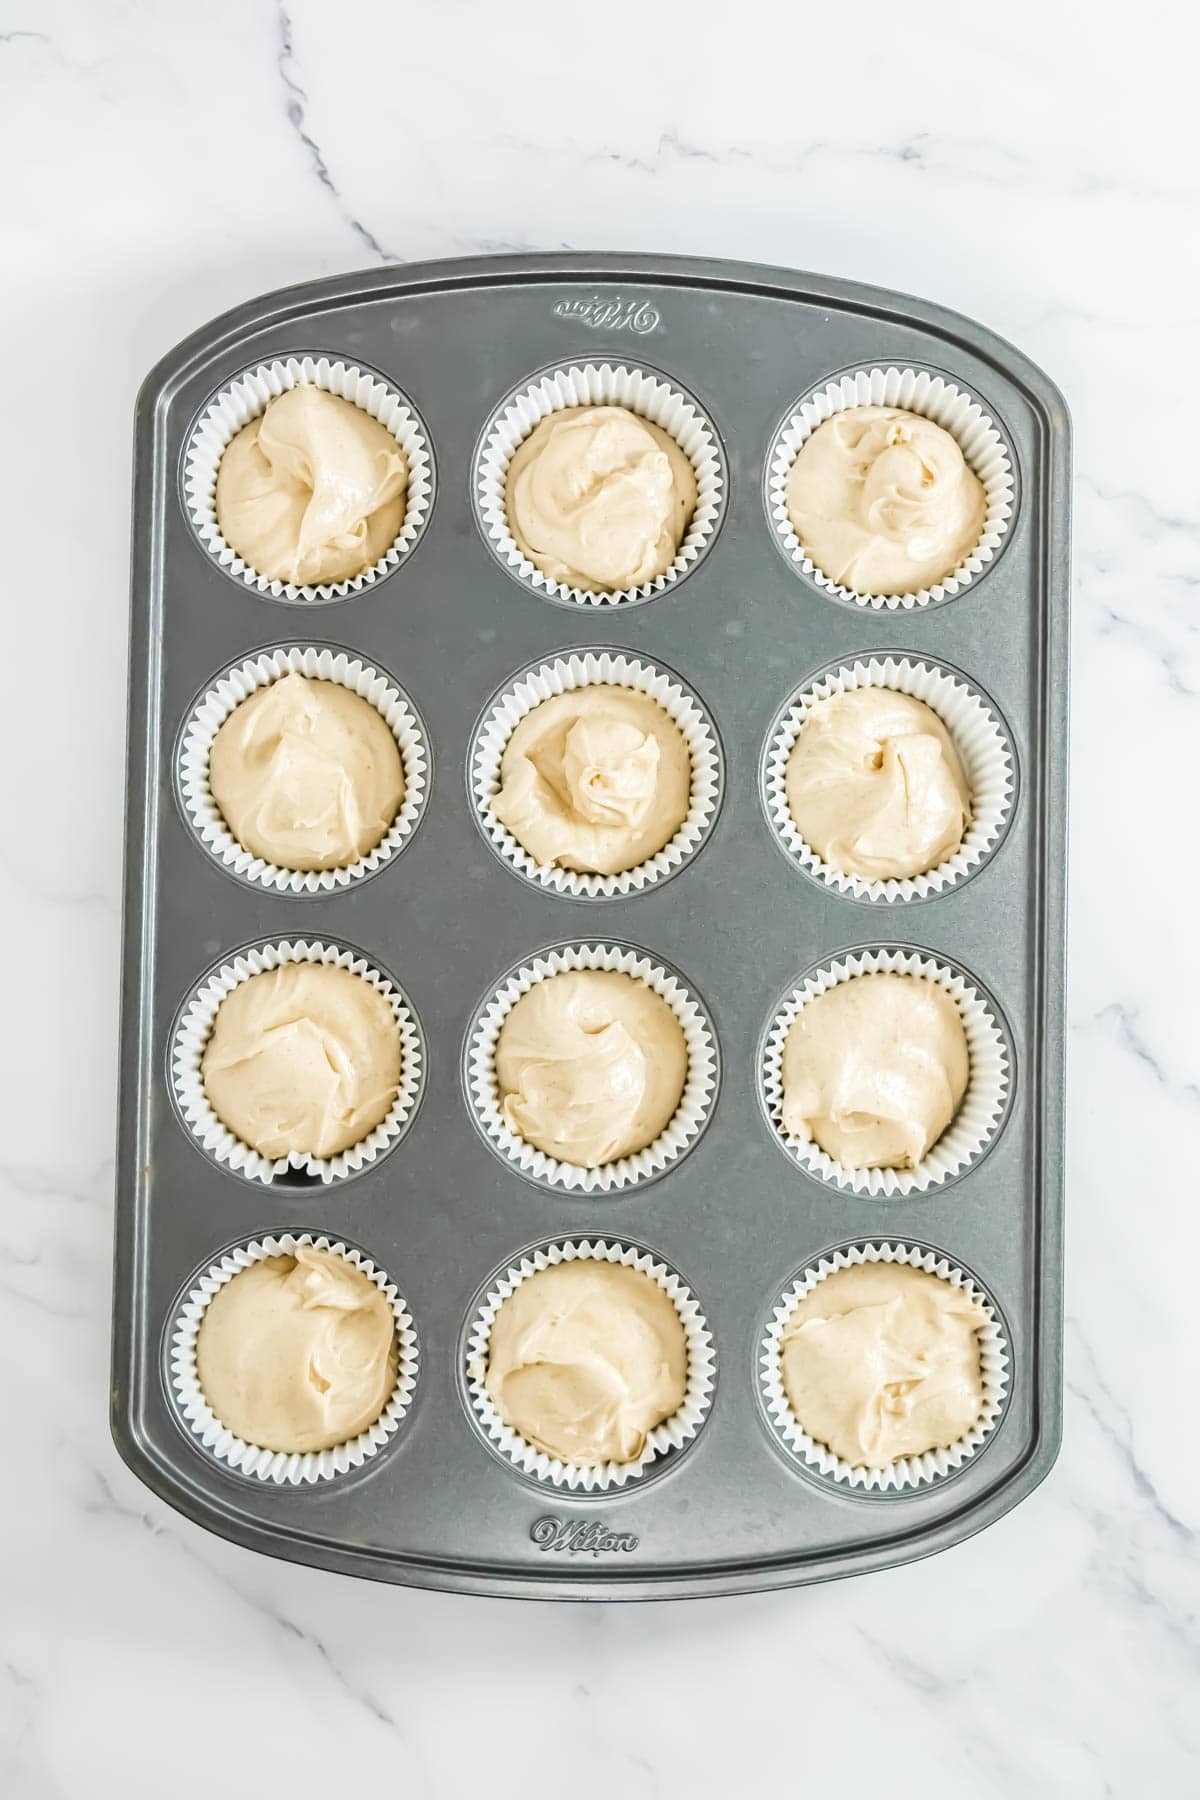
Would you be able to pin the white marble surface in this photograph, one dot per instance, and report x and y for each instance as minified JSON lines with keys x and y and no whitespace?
{"x":1035,"y":167}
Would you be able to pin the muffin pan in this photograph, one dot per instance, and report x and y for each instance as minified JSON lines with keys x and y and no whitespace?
{"x":449,"y":624}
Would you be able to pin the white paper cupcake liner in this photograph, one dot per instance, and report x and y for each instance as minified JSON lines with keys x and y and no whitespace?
{"x":980,"y":738}
{"x":567,"y":674}
{"x":319,"y":663}
{"x":908,"y":1471}
{"x":639,"y":391}
{"x":248,"y":396}
{"x":681,"y":1132}
{"x":977,"y":1121}
{"x":280,"y":1466}
{"x":671,"y":1435}
{"x":933,"y":397}
{"x":194,"y":1028}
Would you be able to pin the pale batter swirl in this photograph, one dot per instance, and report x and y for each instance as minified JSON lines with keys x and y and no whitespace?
{"x":882,"y":1361}
{"x":585,"y":1359}
{"x":591,"y":1065}
{"x":313,"y":490}
{"x":307,"y":774}
{"x":599,"y":498}
{"x":874,"y":785}
{"x":874,"y":1070}
{"x":298,"y":1353}
{"x":304,"y":1059}
{"x":884,"y":501}
{"x":597,"y":779}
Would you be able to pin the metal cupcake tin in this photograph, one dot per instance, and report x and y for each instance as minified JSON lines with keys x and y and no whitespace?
{"x":441,"y":1212}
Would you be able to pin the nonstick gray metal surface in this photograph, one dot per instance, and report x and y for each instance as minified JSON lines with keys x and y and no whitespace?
{"x":441,"y":1213}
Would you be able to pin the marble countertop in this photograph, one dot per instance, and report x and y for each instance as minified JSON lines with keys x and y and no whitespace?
{"x":1036,"y":170}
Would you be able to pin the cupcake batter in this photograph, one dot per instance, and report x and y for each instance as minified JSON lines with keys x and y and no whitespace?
{"x":307,"y":774}
{"x":591,"y":1065}
{"x":874,"y":1070}
{"x":600,"y":499}
{"x":585,"y":1359}
{"x":312,"y":490}
{"x":302,"y":1059}
{"x":598,"y":780}
{"x":884,"y":501}
{"x":881,"y":1361}
{"x":298,"y":1353}
{"x":874,"y":785}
